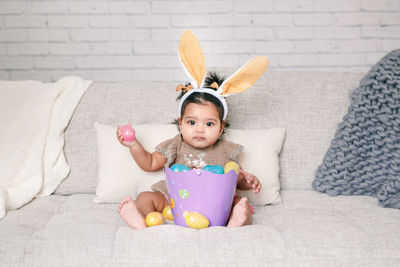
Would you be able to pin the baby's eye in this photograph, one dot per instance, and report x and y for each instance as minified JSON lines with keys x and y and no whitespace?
{"x":191,"y":122}
{"x":210,"y":124}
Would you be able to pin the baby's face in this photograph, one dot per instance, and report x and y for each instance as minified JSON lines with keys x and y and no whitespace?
{"x":200,"y":125}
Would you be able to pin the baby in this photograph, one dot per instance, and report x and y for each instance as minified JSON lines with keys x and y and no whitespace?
{"x":201,"y":118}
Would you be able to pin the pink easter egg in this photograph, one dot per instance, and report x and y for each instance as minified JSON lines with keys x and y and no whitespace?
{"x":127,"y":132}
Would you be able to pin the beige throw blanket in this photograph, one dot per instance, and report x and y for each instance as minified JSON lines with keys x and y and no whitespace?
{"x":33,"y":117}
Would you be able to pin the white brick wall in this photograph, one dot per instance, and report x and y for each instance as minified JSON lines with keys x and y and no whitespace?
{"x":121,"y":40}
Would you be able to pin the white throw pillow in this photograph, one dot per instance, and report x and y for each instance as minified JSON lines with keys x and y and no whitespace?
{"x":119,"y":175}
{"x":260,"y":156}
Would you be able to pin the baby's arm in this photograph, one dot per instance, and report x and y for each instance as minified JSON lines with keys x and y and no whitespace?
{"x":248,"y":181}
{"x":146,"y":161}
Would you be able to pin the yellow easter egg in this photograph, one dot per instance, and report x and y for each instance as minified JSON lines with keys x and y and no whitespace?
{"x":231,"y":165}
{"x":167,"y":212}
{"x":154,"y":218}
{"x":196,"y":220}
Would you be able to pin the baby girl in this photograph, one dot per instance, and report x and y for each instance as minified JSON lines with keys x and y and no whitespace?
{"x":201,"y":118}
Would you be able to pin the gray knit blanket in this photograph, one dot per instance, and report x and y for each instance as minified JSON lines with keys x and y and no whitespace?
{"x":364,"y":155}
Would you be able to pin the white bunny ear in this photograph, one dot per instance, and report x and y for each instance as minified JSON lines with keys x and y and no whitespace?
{"x":192,"y":59}
{"x":245,"y":77}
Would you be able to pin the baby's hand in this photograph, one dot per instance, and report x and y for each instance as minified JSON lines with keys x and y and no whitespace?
{"x":252,"y":181}
{"x":122,"y":141}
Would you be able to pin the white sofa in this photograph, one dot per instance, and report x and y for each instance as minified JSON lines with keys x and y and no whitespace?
{"x":307,"y":229}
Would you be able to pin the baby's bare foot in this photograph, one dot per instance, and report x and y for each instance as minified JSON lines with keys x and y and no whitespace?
{"x":130,"y":214}
{"x":241,"y":214}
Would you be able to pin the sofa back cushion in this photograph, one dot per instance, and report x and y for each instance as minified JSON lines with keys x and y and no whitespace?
{"x":308,"y":104}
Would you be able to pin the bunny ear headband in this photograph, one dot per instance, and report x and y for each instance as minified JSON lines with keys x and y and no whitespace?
{"x":192,"y":60}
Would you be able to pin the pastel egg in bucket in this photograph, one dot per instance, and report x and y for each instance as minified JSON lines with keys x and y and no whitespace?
{"x":201,"y":191}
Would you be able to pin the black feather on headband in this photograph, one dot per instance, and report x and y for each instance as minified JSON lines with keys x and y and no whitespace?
{"x":210,"y":79}
{"x":213,"y":77}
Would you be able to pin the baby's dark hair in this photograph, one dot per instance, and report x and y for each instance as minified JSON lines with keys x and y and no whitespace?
{"x":202,"y":98}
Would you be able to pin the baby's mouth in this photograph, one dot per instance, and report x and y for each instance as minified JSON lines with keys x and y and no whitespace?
{"x":199,"y":139}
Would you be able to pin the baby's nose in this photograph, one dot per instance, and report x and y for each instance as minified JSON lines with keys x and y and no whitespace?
{"x":200,"y":127}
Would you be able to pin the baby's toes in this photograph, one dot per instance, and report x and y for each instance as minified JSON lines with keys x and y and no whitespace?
{"x":120,"y":207}
{"x":245,"y":205}
{"x":122,"y":204}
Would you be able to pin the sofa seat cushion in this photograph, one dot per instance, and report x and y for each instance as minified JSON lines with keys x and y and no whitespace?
{"x":308,"y":228}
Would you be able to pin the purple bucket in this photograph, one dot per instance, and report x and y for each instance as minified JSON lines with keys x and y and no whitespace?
{"x":201,"y":191}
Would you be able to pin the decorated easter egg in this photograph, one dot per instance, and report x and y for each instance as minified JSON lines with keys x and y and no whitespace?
{"x":218,"y":169}
{"x":127,"y":132}
{"x":231,"y":165}
{"x":183,"y":193}
{"x":154,"y":218}
{"x":167,"y":213}
{"x":196,"y":220}
{"x":179,"y":168}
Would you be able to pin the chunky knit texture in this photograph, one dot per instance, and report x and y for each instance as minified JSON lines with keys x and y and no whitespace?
{"x":364,"y":156}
